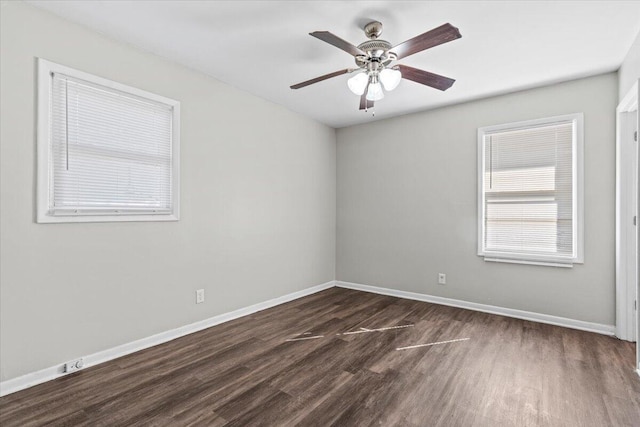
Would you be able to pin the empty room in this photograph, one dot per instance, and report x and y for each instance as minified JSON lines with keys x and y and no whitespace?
{"x":319,"y":213}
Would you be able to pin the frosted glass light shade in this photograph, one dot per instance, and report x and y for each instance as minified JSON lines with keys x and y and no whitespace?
{"x":358,"y":83}
{"x":390,"y":78}
{"x":375,"y":92}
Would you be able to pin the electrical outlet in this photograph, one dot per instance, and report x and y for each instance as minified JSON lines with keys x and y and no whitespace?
{"x":442,"y":279}
{"x":74,"y":365}
{"x":199,"y":296}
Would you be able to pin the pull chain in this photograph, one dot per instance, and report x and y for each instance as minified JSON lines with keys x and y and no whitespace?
{"x":373,"y":111}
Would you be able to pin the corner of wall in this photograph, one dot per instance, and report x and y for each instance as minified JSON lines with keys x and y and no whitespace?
{"x":629,"y":70}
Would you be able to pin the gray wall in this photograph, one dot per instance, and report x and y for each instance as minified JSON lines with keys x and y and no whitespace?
{"x":258,"y":208}
{"x":630,"y":70}
{"x":407,"y":204}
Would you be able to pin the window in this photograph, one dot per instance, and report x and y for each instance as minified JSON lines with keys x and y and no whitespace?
{"x":106,"y":151}
{"x":530,"y":191}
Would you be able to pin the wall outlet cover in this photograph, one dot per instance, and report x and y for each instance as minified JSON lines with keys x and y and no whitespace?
{"x":442,"y":279}
{"x":199,"y":296}
{"x":74,"y":365}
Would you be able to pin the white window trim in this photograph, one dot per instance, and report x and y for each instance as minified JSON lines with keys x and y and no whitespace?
{"x":45,"y":70}
{"x":578,"y":194}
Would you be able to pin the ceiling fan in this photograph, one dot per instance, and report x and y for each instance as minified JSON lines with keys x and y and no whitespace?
{"x":374,"y":56}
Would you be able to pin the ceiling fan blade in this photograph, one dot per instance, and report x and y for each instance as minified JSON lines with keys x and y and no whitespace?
{"x":364,"y":102}
{"x":443,"y":34}
{"x":321,"y":78}
{"x":426,"y":78}
{"x":336,"y":41}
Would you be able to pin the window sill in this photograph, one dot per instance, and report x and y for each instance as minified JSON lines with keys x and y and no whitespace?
{"x":568,"y":264}
{"x":50,"y":219}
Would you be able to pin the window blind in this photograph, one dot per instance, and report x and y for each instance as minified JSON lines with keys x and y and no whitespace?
{"x":528,"y":186}
{"x":110,"y":151}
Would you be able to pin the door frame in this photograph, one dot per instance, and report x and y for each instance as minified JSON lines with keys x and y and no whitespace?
{"x":626,"y":248}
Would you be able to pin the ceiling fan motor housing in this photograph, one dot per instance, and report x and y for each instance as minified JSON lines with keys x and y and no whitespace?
{"x":377,"y":51}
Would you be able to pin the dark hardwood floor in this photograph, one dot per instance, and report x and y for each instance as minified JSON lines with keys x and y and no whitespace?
{"x":320,"y":361}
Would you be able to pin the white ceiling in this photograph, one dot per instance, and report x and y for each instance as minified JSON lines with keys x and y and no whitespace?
{"x":263,"y":47}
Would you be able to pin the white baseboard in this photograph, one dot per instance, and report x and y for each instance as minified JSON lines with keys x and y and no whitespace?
{"x":25,"y":381}
{"x":509,"y":312}
{"x":29,"y":380}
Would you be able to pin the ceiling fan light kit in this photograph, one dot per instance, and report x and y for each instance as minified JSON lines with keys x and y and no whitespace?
{"x":358,"y":83}
{"x":374,"y":57}
{"x":374,"y":92}
{"x":390,"y":78}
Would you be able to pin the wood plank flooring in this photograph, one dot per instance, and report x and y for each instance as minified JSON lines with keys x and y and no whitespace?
{"x":346,"y":373}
